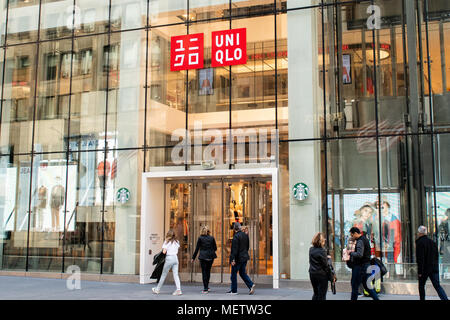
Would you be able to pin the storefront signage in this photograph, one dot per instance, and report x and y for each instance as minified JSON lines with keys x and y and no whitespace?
{"x":300,"y":191}
{"x":186,"y":52}
{"x":228,"y":48}
{"x":123,"y":195}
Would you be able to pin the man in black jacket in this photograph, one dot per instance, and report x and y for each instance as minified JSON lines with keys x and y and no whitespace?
{"x":361,"y":261}
{"x":427,"y":263}
{"x":238,"y":259}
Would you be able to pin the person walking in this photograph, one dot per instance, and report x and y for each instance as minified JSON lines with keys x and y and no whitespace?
{"x":206,"y":244}
{"x":170,"y":249}
{"x":238,"y":259}
{"x":427,"y":258}
{"x":319,"y":270}
{"x":360,"y":259}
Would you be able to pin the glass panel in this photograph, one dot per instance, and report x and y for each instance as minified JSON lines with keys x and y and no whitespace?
{"x":18,"y":95}
{"x":23,"y":19}
{"x":253,"y":96}
{"x":178,"y":218}
{"x":208,"y":9}
{"x":352,"y":174}
{"x":3,"y":11}
{"x":163,"y":12}
{"x":439,"y":207}
{"x":128,"y":14}
{"x":260,"y":229}
{"x":48,"y":207}
{"x":15,"y":172}
{"x":56,"y":19}
{"x":166,"y":101}
{"x":53,"y":95}
{"x":208,"y":212}
{"x":208,"y":104}
{"x":438,"y":77}
{"x":122,"y":211}
{"x":126,"y":99}
{"x":252,"y":7}
{"x":91,"y":16}
{"x":84,"y":221}
{"x":88,"y":102}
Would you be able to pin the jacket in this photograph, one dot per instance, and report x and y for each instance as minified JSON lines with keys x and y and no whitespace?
{"x":159,"y":259}
{"x":207,"y":246}
{"x":426,"y":255}
{"x":361,"y":255}
{"x":318,"y":262}
{"x":239,"y":248}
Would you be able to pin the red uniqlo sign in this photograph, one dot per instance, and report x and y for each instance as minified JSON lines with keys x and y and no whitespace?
{"x":186,"y":52}
{"x":229,"y":47}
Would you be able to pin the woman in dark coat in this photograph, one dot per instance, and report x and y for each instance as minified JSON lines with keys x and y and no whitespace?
{"x":207,"y":246}
{"x":319,"y":271}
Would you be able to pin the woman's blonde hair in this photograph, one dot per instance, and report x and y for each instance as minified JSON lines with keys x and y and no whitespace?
{"x":170,"y":236}
{"x":317,"y":240}
{"x":205,"y":231}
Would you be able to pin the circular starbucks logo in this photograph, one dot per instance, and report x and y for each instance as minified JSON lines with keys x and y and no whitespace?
{"x":123,"y":195}
{"x":300,"y":191}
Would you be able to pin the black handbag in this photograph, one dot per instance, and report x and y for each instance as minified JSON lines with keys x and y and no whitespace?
{"x":332,"y":274}
{"x":377,"y":262}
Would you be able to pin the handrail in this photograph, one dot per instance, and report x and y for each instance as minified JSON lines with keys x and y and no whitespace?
{"x":9,"y":218}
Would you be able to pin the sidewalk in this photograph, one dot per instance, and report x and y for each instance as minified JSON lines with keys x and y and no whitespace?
{"x":27,"y":288}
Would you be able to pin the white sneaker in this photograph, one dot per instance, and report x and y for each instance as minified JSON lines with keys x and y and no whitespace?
{"x":177,"y":293}
{"x":155,"y":290}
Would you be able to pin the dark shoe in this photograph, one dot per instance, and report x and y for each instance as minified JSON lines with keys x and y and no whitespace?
{"x":232,"y":293}
{"x":252,"y":289}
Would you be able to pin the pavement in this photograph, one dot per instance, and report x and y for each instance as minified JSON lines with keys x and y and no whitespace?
{"x":29,"y":288}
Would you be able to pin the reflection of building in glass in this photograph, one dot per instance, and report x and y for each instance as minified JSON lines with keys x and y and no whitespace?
{"x":88,"y":103}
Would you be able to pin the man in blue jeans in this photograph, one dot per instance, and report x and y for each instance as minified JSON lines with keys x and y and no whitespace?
{"x":361,"y":261}
{"x":238,"y":259}
{"x":427,"y":257}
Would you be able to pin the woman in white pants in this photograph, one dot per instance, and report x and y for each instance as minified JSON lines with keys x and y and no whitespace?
{"x":170,"y":249}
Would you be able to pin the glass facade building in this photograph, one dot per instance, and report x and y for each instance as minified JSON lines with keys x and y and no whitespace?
{"x":350,"y":98}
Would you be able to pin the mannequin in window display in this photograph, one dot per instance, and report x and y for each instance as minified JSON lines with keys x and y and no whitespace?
{"x":56,"y":202}
{"x":444,"y":237}
{"x":41,"y":205}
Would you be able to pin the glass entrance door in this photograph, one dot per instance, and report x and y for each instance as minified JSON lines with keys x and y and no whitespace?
{"x":219,"y":203}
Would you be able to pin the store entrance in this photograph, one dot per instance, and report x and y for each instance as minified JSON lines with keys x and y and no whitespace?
{"x":217,"y":203}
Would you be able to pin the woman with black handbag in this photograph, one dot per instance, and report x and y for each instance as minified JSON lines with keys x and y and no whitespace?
{"x":207,"y":246}
{"x":319,"y":270}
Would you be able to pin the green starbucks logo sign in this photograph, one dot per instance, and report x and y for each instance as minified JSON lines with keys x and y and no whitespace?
{"x":123,"y":195}
{"x":300,"y":191}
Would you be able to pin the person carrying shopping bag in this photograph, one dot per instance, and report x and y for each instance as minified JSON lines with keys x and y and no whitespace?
{"x":207,"y":246}
{"x":170,"y":249}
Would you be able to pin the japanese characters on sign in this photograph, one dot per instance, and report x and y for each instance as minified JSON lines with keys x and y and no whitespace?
{"x":186,"y":52}
{"x":228,"y":48}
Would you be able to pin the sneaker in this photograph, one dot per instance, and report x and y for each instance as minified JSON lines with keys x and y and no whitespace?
{"x":205,"y":291}
{"x":252,"y":289}
{"x":232,"y":293}
{"x":177,"y":293}
{"x":155,"y":291}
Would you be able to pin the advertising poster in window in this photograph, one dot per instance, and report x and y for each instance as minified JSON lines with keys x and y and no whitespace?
{"x":363,"y":211}
{"x":443,"y":217}
{"x":206,"y":80}
{"x":346,"y":69}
